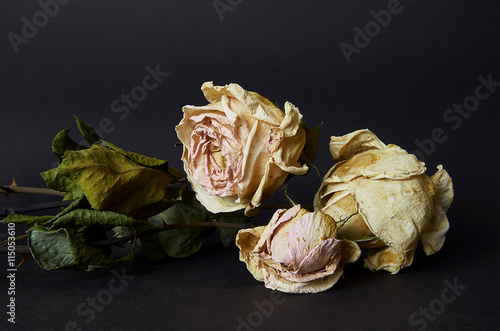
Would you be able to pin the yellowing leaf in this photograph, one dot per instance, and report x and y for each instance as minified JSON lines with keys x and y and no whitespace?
{"x":111,"y":181}
{"x":89,"y":134}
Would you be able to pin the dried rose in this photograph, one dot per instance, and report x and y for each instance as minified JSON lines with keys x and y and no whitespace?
{"x":239,"y":148}
{"x":297,"y":252}
{"x":391,"y":201}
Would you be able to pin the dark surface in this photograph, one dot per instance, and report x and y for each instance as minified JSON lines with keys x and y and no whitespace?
{"x":399,"y":86}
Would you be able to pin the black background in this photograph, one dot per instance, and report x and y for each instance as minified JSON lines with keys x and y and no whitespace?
{"x":400,"y":85}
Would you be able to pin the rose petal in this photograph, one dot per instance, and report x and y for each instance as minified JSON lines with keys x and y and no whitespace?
{"x":258,"y":106}
{"x":306,"y":234}
{"x":320,"y":256}
{"x":274,"y":281}
{"x":246,"y":241}
{"x":388,"y":259}
{"x":395,"y":211}
{"x":216,"y":204}
{"x":433,"y":236}
{"x":344,"y":147}
{"x":293,"y":135}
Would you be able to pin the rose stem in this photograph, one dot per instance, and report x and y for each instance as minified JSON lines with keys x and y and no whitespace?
{"x":30,"y":190}
{"x":166,"y":227}
{"x":35,"y":207}
{"x":118,"y":241}
{"x":13,"y":188}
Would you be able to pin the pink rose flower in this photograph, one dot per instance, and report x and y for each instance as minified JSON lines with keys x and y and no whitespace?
{"x":239,"y":148}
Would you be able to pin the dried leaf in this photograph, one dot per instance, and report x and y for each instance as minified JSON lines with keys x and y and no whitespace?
{"x":111,"y":181}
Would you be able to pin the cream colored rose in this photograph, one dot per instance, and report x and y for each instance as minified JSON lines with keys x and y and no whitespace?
{"x":239,"y":148}
{"x":393,"y":203}
{"x":297,"y":252}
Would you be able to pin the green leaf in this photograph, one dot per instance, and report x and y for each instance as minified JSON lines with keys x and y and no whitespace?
{"x":80,"y":203}
{"x":150,"y":244}
{"x":129,"y":257}
{"x":111,"y":181}
{"x":62,"y":142}
{"x":171,"y":195}
{"x":181,"y":242}
{"x":26,"y":219}
{"x":123,"y":231}
{"x":227,"y":236}
{"x":89,"y":217}
{"x":56,"y":181}
{"x":89,"y":134}
{"x":60,"y":249}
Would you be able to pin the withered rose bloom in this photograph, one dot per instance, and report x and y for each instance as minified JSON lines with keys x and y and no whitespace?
{"x":392,"y":202}
{"x":239,"y":148}
{"x":297,"y":252}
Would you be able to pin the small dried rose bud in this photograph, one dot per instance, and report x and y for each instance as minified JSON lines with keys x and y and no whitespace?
{"x":297,"y":252}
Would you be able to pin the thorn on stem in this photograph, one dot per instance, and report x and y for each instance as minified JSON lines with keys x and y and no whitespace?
{"x":25,"y":258}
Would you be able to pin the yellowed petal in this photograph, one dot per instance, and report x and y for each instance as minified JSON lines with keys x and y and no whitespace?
{"x":231,"y":115}
{"x":246,"y":240}
{"x":433,"y":236}
{"x":322,"y":196}
{"x":444,"y":185}
{"x":216,"y":204}
{"x":346,"y":146}
{"x":392,"y":163}
{"x":258,"y":106}
{"x":287,"y":154}
{"x":291,"y":122}
{"x":344,"y":208}
{"x":388,"y":259}
{"x":350,"y":252}
{"x":255,"y":160}
{"x":274,"y":282}
{"x":396,"y":211}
